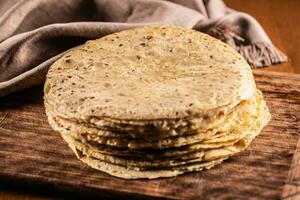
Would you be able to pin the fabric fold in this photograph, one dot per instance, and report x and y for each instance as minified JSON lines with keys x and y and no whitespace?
{"x":34,"y":33}
{"x":243,"y":33}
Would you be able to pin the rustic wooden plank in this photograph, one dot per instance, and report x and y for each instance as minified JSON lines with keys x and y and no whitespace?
{"x":291,"y":189}
{"x":31,"y":151}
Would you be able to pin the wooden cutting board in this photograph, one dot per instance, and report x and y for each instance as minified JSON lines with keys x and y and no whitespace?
{"x":32,"y":153}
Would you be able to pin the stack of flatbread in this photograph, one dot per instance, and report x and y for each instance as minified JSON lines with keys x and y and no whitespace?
{"x":153,"y":102}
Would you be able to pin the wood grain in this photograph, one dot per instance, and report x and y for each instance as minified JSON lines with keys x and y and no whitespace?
{"x":31,"y":152}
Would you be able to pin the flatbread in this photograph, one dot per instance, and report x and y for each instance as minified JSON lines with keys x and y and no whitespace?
{"x":153,"y":102}
{"x":236,"y":120}
{"x":125,"y":173}
{"x":198,"y":156}
{"x":101,"y":131}
{"x":112,"y":79}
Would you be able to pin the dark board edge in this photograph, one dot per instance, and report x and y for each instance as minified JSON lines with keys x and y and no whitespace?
{"x":64,"y":190}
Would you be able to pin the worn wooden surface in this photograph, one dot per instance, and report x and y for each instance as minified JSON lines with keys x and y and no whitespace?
{"x":32,"y":153}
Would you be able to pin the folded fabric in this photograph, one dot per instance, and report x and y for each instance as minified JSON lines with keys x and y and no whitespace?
{"x":35,"y":33}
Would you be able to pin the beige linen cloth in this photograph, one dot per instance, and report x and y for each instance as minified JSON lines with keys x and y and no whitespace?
{"x":35,"y":33}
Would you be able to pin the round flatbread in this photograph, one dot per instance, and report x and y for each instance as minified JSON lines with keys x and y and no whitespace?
{"x":153,"y":102}
{"x":148,"y":74}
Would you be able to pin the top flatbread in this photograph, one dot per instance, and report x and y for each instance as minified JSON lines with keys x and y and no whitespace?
{"x":150,"y":73}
